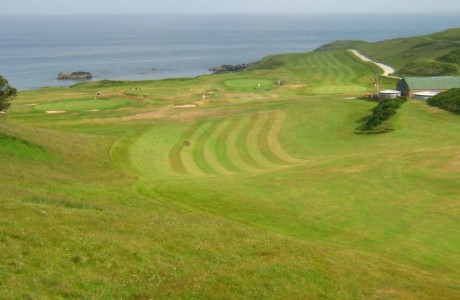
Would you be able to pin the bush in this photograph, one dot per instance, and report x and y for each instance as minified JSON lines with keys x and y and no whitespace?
{"x":448,"y":100}
{"x":382,"y":112}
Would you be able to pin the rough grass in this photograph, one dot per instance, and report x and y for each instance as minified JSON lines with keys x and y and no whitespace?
{"x":256,"y":194}
{"x":428,"y":68}
{"x":418,"y":54}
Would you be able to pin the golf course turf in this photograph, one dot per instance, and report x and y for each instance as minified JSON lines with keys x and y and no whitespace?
{"x":254,"y":191}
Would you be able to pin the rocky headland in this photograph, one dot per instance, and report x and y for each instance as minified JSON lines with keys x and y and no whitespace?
{"x":230,"y":68}
{"x":75,"y":76}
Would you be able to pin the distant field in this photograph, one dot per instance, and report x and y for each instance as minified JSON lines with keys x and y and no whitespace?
{"x":260,"y":192}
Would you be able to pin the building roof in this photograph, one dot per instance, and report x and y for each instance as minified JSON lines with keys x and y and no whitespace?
{"x":390,"y":92}
{"x":426,"y":93}
{"x":435,"y":83}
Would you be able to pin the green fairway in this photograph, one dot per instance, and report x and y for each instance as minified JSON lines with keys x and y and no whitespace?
{"x":251,"y":83}
{"x":337,"y":89}
{"x":213,"y":147}
{"x":81,"y":105}
{"x":251,"y":192}
{"x":148,"y":92}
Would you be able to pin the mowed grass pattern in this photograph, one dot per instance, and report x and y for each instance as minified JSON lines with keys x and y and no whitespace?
{"x":328,"y":73}
{"x":261,"y":193}
{"x":233,"y":145}
{"x":224,"y":146}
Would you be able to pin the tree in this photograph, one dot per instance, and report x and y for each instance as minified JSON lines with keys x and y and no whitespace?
{"x":6,"y":93}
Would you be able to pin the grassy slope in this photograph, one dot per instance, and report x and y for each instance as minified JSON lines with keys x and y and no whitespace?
{"x":272,"y":196}
{"x":418,"y":55}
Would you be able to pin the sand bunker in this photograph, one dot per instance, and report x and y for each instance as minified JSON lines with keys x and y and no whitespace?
{"x":94,"y":110}
{"x":185,"y":106}
{"x":55,"y":111}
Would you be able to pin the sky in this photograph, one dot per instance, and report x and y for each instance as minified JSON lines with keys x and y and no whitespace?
{"x":64,"y":7}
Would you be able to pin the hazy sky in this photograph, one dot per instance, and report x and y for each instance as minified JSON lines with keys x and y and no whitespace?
{"x":225,"y":6}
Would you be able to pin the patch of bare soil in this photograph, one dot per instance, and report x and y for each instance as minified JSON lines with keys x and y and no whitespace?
{"x":295,"y":86}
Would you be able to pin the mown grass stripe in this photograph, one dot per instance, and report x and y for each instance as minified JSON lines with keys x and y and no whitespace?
{"x":338,"y":71}
{"x":198,"y":149}
{"x":257,"y":141}
{"x":275,"y":146}
{"x":223,"y":143}
{"x":187,"y":153}
{"x":233,"y":149}
{"x":318,"y":70}
{"x":312,"y":61}
{"x":243,"y":145}
{"x":189,"y":162}
{"x":327,"y":72}
{"x":327,"y":60}
{"x":266,"y":138}
{"x":336,"y":75}
{"x":210,"y":149}
{"x":311,"y":68}
{"x":348,"y":73}
{"x":174,"y":156}
{"x":175,"y":160}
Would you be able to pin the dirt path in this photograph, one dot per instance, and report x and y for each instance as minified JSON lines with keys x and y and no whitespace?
{"x":387,"y":70}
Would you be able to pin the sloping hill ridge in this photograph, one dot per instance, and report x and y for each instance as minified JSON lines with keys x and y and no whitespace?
{"x":428,"y":55}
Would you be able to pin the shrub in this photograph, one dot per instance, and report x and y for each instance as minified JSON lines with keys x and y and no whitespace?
{"x":382,"y":112}
{"x":448,"y":100}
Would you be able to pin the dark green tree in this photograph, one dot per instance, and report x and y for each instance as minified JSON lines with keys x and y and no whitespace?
{"x":6,"y":93}
{"x":382,"y":112}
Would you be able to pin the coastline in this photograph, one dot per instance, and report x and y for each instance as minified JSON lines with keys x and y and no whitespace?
{"x":127,"y":47}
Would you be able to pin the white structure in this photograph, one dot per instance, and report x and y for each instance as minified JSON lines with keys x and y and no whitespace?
{"x":389,"y":94}
{"x":424,"y":95}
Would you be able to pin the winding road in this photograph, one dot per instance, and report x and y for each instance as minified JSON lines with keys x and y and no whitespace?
{"x":387,"y":70}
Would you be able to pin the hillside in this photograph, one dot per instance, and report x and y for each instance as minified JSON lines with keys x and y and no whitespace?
{"x":341,"y":45}
{"x":229,"y":186}
{"x":424,"y":55}
{"x":430,"y":55}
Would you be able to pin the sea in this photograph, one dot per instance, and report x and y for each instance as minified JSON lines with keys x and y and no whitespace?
{"x":34,"y":49}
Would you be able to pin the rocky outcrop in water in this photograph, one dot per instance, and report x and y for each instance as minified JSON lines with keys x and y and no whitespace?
{"x":229,"y":68}
{"x":75,"y":76}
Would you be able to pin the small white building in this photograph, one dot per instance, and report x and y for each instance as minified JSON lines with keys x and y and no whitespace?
{"x":389,"y":94}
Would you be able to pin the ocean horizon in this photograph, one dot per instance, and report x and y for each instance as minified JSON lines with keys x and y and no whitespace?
{"x":34,"y":49}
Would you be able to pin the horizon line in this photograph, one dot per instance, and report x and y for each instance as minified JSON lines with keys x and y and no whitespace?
{"x":373,"y":13}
